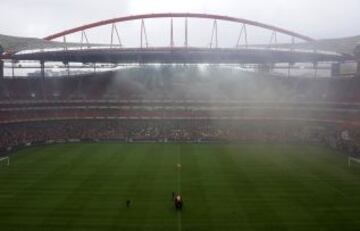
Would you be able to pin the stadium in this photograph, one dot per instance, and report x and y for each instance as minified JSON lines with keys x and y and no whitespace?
{"x":177,"y":134}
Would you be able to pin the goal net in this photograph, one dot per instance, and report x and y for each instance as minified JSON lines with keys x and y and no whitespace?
{"x":353,"y":160}
{"x":4,"y":161}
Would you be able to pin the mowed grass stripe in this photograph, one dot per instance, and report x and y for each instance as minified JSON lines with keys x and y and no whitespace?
{"x":225,"y":187}
{"x":30,"y":198}
{"x":272,"y":177}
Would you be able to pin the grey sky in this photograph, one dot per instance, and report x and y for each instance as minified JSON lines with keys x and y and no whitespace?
{"x":315,"y":18}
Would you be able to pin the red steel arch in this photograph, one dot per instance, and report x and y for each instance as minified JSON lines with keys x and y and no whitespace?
{"x":179,"y":15}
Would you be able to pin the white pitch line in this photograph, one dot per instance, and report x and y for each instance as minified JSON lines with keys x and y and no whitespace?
{"x":179,"y":187}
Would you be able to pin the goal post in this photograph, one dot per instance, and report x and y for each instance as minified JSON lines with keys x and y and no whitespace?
{"x":4,"y":161}
{"x":352,"y":159}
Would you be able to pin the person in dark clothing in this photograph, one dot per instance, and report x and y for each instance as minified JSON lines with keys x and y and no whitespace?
{"x":128,"y":203}
{"x":178,"y":202}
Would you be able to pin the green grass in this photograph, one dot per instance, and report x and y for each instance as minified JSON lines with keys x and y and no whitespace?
{"x":225,"y":187}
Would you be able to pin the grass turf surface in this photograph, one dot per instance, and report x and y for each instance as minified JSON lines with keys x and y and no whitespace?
{"x":225,"y":187}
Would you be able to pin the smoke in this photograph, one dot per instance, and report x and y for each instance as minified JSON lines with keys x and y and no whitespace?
{"x":203,"y":82}
{"x":234,"y":93}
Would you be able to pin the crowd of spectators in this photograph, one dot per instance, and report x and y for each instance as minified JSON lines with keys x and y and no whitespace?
{"x":22,"y":134}
{"x":182,"y":84}
{"x":174,"y":84}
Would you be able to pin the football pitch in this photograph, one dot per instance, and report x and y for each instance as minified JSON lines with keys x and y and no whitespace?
{"x":224,"y":187}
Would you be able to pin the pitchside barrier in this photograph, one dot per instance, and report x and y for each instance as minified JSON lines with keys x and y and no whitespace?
{"x":353,"y":159}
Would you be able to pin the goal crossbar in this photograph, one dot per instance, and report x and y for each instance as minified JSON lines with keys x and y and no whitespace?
{"x":353,"y":159}
{"x":6,"y":158}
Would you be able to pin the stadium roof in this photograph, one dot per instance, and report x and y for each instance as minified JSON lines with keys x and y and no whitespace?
{"x":341,"y":45}
{"x":12,"y":43}
{"x":15,"y":44}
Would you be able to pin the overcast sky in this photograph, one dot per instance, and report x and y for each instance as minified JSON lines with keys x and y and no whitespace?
{"x":315,"y":18}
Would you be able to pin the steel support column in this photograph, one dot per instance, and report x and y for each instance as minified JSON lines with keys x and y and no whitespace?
{"x":316,"y":69}
{"x":68,"y":69}
{"x":273,"y":39}
{"x":290,"y":66}
{"x":13,"y":68}
{"x":292,"y":48}
{"x":335,"y":69}
{"x":42,"y":69}
{"x":114,"y":31}
{"x":143,"y":35}
{"x":242,"y":31}
{"x":83,"y":39}
{"x":186,"y":43}
{"x":357,"y":60}
{"x":65,"y":43}
{"x":1,"y":69}
{"x":172,"y":43}
{"x":214,"y":35}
